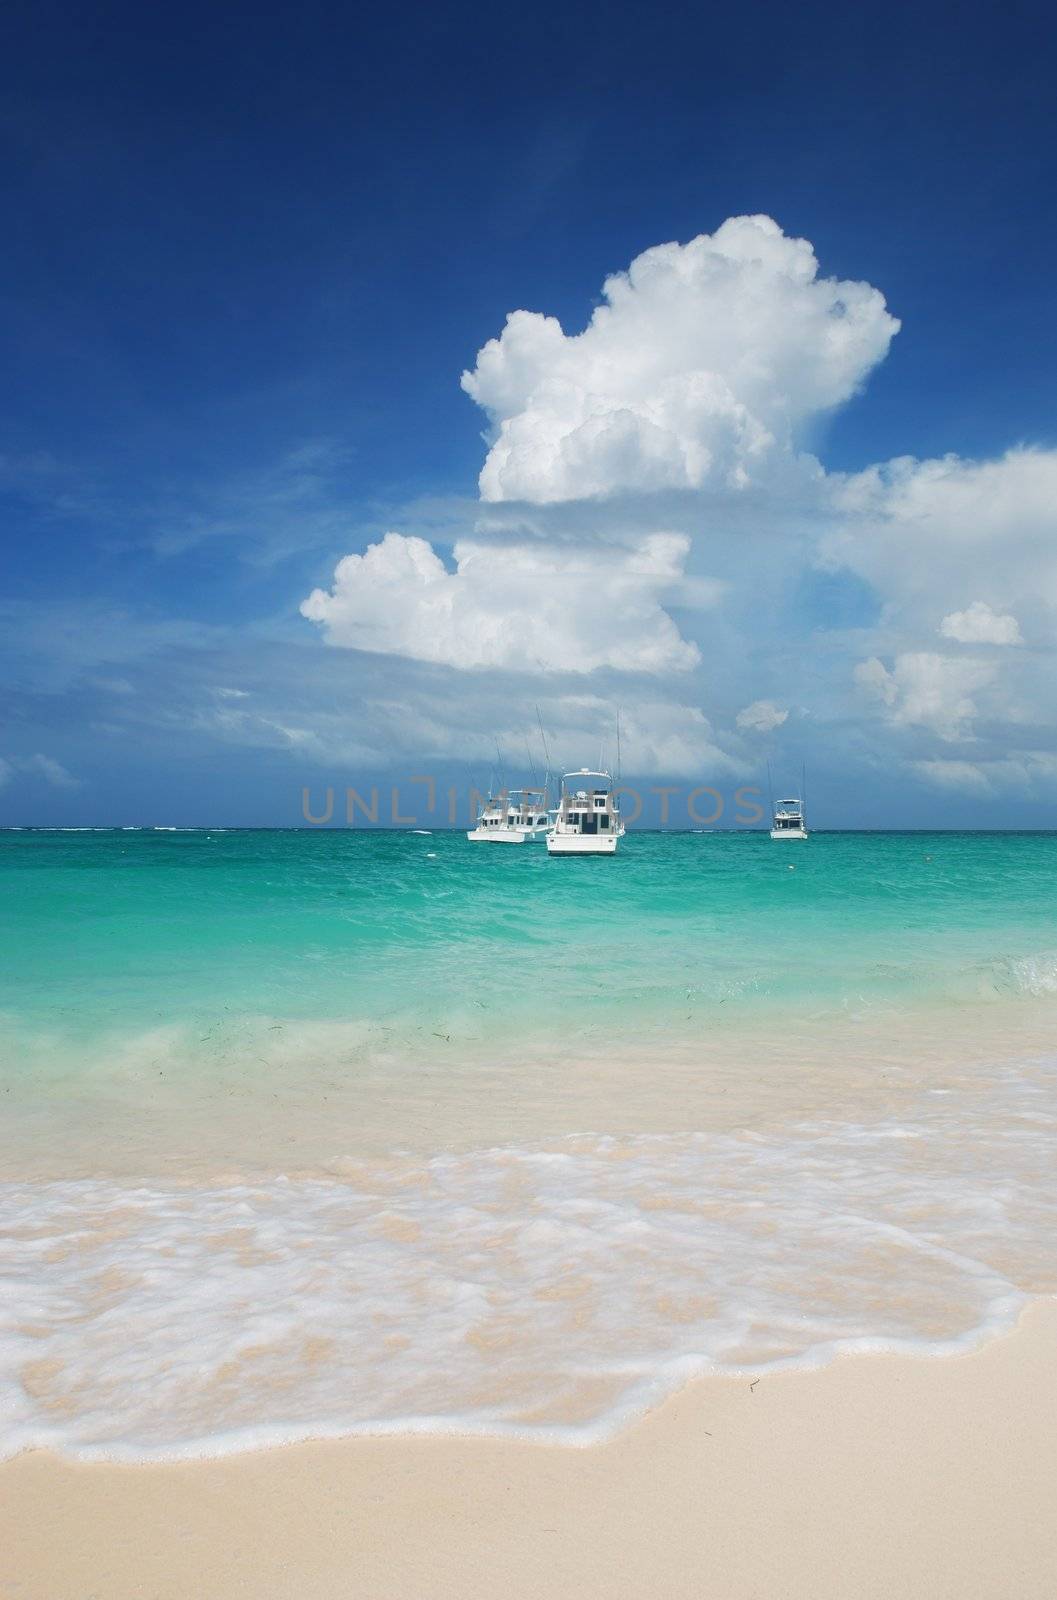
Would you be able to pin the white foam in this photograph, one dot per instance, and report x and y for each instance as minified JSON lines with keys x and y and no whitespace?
{"x":1035,"y":974}
{"x":552,"y":1291}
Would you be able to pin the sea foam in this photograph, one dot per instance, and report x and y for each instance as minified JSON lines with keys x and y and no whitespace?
{"x":549,"y":1292}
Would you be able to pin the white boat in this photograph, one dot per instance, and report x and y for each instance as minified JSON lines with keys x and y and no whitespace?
{"x":514,"y":816}
{"x":788,"y":820}
{"x":587,"y":821}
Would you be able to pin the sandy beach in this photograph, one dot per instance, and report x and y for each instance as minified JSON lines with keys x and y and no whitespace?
{"x":877,"y":1476}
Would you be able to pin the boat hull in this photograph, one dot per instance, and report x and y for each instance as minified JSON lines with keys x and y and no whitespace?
{"x":788,"y":833}
{"x":581,"y":844}
{"x":506,"y":835}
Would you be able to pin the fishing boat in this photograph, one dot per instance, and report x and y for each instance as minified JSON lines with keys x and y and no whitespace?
{"x":514,"y":816}
{"x":587,"y":821}
{"x":787,"y":820}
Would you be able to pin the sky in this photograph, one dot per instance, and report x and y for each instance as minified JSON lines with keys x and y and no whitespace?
{"x":373,"y":379}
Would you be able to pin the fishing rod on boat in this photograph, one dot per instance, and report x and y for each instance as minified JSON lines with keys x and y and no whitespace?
{"x":474,"y":790}
{"x":531,"y":762}
{"x":500,"y":770}
{"x":547,"y":759}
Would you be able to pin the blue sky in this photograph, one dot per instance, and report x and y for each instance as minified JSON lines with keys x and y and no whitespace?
{"x":247,"y":259}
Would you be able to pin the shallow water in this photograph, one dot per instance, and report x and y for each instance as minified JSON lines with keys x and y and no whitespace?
{"x":312,"y":1133}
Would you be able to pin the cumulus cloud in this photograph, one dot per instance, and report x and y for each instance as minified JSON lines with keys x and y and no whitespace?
{"x":519,"y":607}
{"x":686,"y":404}
{"x":763,"y":716}
{"x":699,"y":369}
{"x":980,"y":625}
{"x":915,"y":529}
{"x":926,"y":690}
{"x":951,"y":527}
{"x":697,"y":372}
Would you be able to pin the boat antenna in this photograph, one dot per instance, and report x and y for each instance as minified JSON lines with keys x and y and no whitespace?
{"x":770,"y":788}
{"x":803,"y":789}
{"x":618,"y":744}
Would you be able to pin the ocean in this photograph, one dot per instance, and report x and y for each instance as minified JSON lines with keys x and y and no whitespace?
{"x":313,"y":1133}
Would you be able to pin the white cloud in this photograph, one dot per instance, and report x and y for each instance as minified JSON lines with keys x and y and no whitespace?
{"x":520,"y":607}
{"x":957,"y":528}
{"x":697,"y":594}
{"x":1024,"y":772}
{"x":879,"y":683}
{"x":684,"y":406}
{"x":698,"y":370}
{"x":416,"y":714}
{"x":347,"y":718}
{"x":657,"y":735}
{"x":926,"y":690}
{"x":53,"y":772}
{"x":916,"y":529}
{"x":763,"y":716}
{"x":963,"y":777}
{"x":980,"y":625}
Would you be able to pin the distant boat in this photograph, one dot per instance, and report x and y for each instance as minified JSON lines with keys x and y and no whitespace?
{"x":788,"y":820}
{"x":587,"y":822}
{"x":515,"y":816}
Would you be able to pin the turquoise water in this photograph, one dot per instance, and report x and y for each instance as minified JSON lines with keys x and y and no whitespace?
{"x":105,"y":930}
{"x":319,"y":1133}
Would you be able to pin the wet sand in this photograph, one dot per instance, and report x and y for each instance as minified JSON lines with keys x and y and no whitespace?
{"x":875,"y":1478}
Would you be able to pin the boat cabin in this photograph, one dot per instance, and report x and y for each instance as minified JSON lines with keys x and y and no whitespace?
{"x":588,"y":811}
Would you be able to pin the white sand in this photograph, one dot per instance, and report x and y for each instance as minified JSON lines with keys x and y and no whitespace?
{"x":878,"y":1476}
